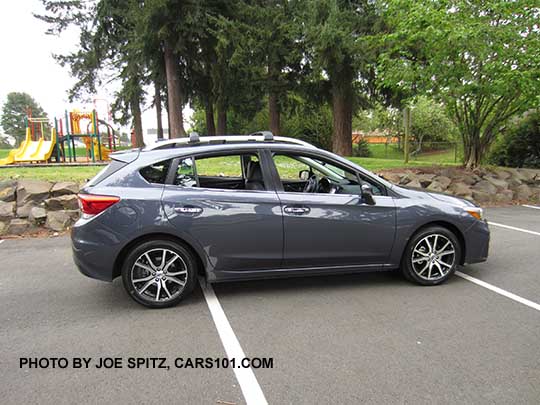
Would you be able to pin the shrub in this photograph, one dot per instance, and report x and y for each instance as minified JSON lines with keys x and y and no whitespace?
{"x":361,"y":149}
{"x":519,"y":146}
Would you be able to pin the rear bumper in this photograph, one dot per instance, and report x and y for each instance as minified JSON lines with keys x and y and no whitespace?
{"x":477,"y":243}
{"x":93,"y":254}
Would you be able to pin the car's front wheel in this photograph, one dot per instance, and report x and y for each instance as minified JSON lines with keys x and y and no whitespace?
{"x":159,"y":273}
{"x":432,"y":256}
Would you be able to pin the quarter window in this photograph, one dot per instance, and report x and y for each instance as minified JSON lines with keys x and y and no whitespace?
{"x":156,"y":173}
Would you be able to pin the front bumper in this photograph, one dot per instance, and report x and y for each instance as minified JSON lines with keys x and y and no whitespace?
{"x":477,"y":243}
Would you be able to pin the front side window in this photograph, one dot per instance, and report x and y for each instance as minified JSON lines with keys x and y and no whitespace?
{"x":306,"y":174}
{"x":232,"y":172}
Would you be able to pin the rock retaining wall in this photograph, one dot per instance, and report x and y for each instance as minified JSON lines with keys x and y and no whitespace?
{"x":28,"y":206}
{"x":488,"y":187}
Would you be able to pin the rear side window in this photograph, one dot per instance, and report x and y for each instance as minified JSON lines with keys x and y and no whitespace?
{"x":156,"y":173}
{"x":108,"y":170}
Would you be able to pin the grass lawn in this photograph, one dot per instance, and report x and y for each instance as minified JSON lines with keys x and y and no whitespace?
{"x":215,"y":166}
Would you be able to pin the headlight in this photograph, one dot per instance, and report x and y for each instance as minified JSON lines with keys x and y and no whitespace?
{"x":476,"y":212}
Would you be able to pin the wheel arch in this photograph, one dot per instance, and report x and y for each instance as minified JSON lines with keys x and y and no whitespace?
{"x":117,"y":269}
{"x":452,"y":228}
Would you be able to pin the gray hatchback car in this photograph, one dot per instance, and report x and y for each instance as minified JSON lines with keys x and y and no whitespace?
{"x":252,"y":207}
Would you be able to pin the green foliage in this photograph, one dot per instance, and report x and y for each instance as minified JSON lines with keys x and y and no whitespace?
{"x":519,"y":146}
{"x":430,"y":121}
{"x":14,"y":112}
{"x":361,"y":149}
{"x":481,"y":58}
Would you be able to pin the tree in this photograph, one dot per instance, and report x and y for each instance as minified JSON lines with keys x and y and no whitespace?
{"x":335,"y":36}
{"x":14,"y":113}
{"x":107,"y":42}
{"x":481,"y":58}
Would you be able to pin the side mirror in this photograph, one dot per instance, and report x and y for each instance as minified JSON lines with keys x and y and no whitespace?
{"x":304,"y":175}
{"x":367,"y":194}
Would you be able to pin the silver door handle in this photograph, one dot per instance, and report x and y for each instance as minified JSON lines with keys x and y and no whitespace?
{"x":188,"y":210}
{"x":296,"y":210}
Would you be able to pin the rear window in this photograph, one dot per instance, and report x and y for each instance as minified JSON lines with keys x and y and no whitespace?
{"x":156,"y":173}
{"x":111,"y":168}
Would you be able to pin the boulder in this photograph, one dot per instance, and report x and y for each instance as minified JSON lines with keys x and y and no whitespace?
{"x":501,"y":173}
{"x":7,"y":190}
{"x":425,"y":179}
{"x":414,"y":184}
{"x":504,"y":196}
{"x":391,"y":177}
{"x":485,"y":187}
{"x":482,"y":197}
{"x":58,"y":220}
{"x":74,"y":214}
{"x":63,"y":188}
{"x":443,"y":181}
{"x":460,"y":190}
{"x":38,"y":215}
{"x":32,"y":190}
{"x":436,"y":186}
{"x":64,"y":202}
{"x":3,"y":227}
{"x":513,"y":182}
{"x":406,"y":178}
{"x":529,"y":176}
{"x":7,"y":210}
{"x":500,"y":184}
{"x":523,"y":193}
{"x":24,"y":210}
{"x":18,"y":226}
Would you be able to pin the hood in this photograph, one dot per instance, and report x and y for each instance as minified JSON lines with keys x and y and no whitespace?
{"x":445,"y":198}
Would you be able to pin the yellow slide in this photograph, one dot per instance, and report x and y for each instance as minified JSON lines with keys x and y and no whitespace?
{"x":36,"y":151}
{"x":14,"y":152}
{"x":104,"y":151}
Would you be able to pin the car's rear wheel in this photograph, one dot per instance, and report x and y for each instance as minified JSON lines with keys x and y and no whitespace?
{"x":159,"y":273}
{"x":432,"y":256}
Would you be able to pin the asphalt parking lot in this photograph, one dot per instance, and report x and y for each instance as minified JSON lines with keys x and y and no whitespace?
{"x":365,"y":338}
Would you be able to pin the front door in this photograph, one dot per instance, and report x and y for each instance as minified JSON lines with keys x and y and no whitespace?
{"x":326,"y":221}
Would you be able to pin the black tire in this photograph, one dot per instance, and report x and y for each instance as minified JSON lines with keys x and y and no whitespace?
{"x":438,"y":235}
{"x":153,"y":248}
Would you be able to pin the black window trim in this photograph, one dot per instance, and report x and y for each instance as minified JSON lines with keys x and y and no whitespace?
{"x":267,"y":178}
{"x":277,"y":179}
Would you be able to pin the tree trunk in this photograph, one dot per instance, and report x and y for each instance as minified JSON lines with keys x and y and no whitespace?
{"x":210,"y":124}
{"x":137,"y":121}
{"x":274,"y":113}
{"x":342,"y":119}
{"x":174,"y":92}
{"x":157,"y":103}
{"x":222,"y":119}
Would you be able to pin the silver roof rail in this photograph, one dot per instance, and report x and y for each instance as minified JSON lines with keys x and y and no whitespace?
{"x":194,"y":139}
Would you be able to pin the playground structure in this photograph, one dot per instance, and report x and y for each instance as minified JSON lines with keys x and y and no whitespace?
{"x":61,"y":143}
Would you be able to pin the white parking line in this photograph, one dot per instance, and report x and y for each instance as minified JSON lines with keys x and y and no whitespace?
{"x":245,"y":376}
{"x":500,"y":291}
{"x":531,"y":206}
{"x":514,"y":228}
{"x":1,"y":241}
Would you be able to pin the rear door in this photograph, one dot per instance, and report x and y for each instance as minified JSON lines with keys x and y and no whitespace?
{"x":240,"y":230}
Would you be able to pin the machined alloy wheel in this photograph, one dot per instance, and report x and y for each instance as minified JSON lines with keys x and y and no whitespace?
{"x":433,"y":257}
{"x":159,"y":273}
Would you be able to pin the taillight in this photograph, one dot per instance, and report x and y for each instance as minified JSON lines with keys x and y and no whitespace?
{"x":91,"y":204}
